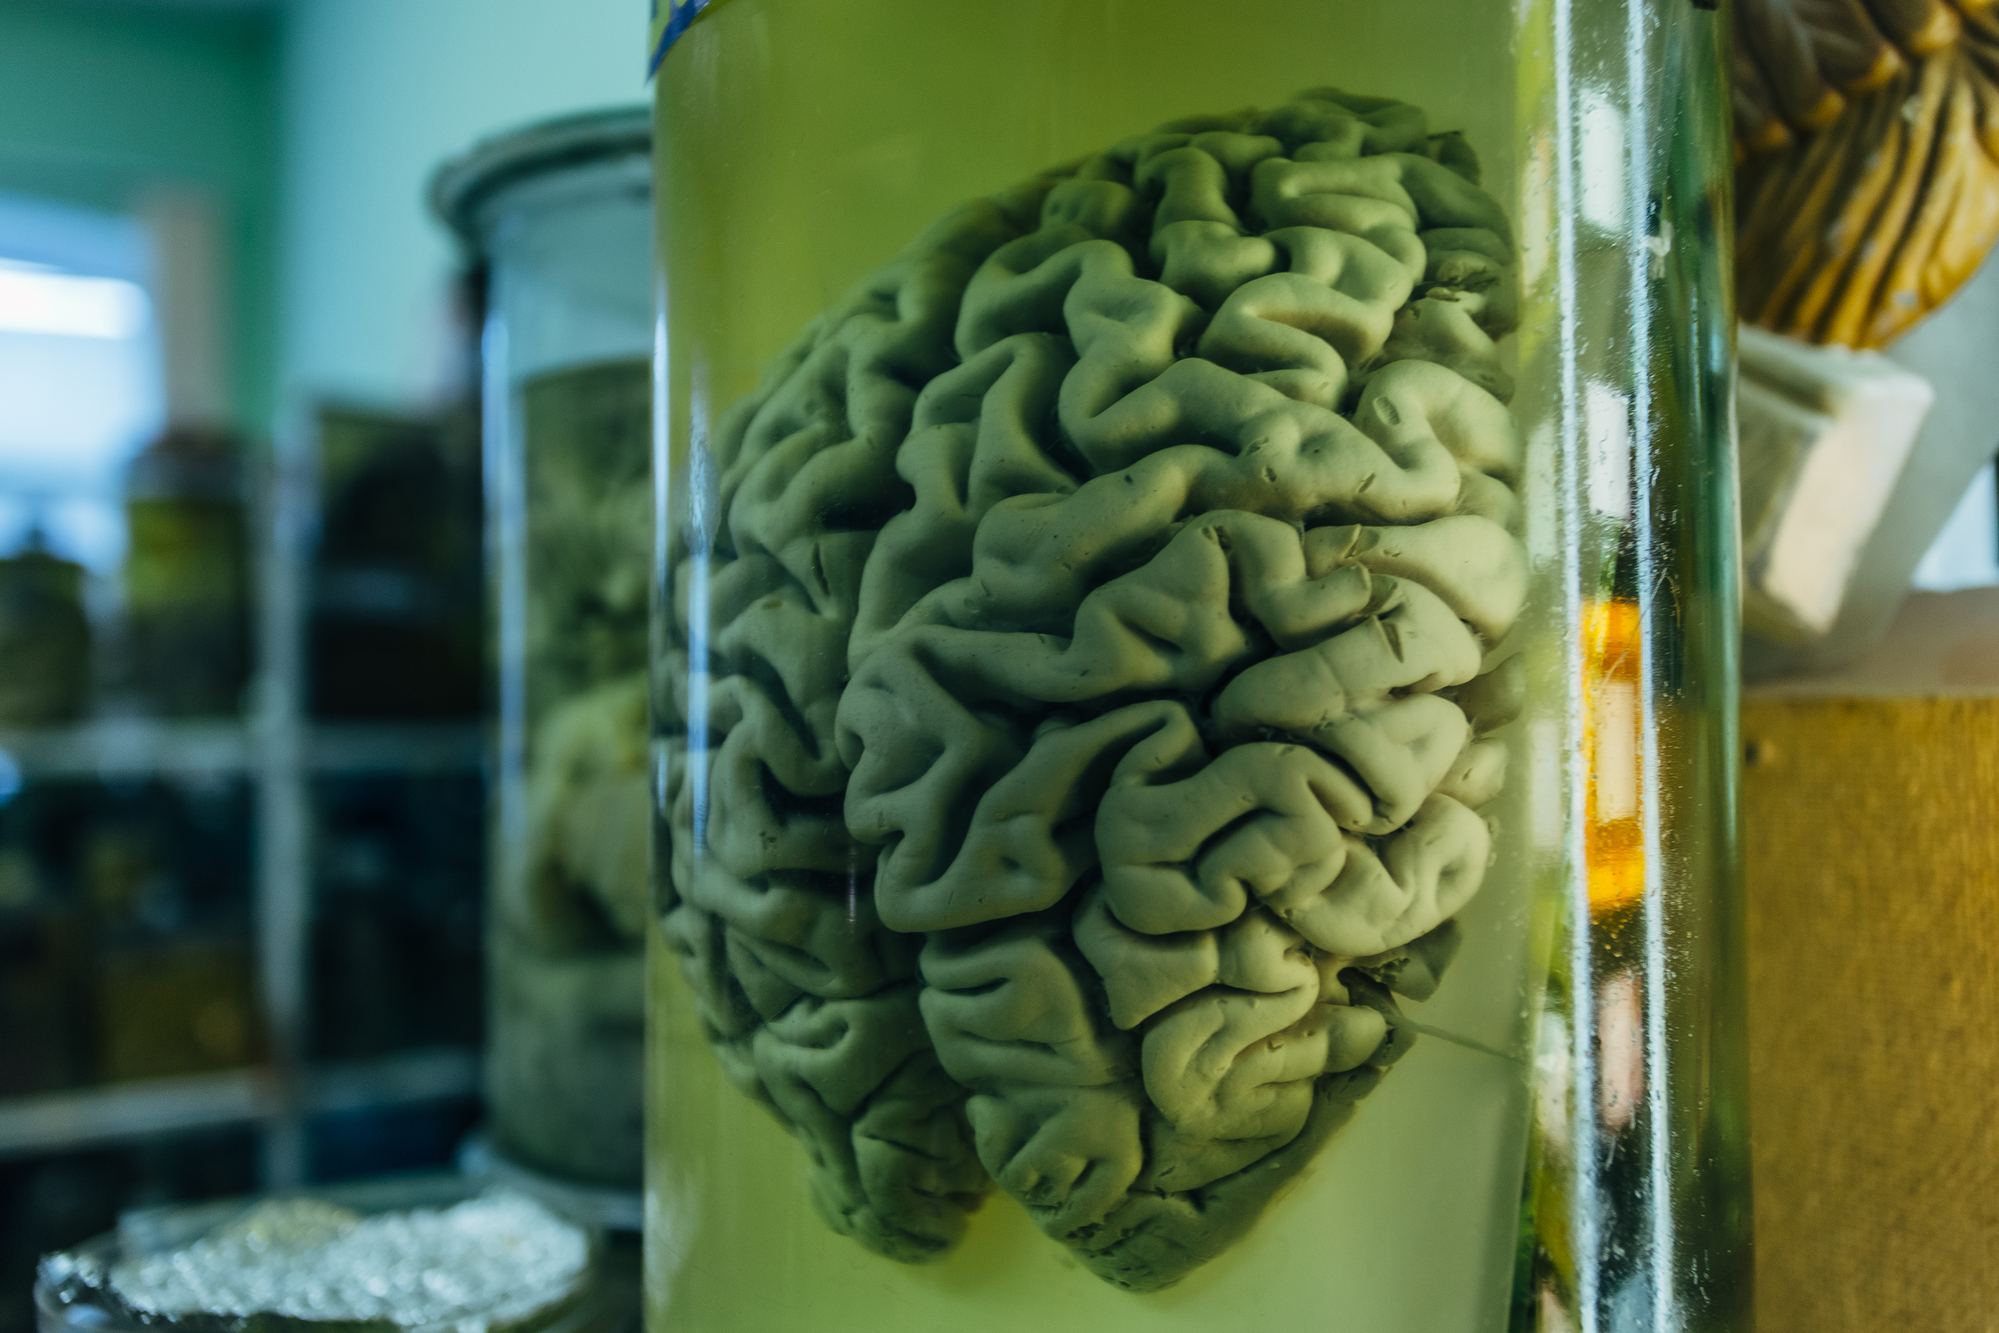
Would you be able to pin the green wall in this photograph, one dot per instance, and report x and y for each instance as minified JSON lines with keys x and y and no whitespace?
{"x":101,"y":101}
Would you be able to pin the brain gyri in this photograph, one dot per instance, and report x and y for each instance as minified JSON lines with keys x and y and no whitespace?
{"x":1086,"y":746}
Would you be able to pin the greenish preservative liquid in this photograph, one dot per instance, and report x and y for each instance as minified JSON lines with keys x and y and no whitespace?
{"x":1191,"y":671}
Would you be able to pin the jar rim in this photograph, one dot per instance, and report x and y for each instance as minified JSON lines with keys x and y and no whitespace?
{"x":460,"y":188}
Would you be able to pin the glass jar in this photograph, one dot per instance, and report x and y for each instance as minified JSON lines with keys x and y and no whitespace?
{"x":45,"y":638}
{"x":411,"y":1254}
{"x":186,"y":576}
{"x":560,"y":214}
{"x":1194,"y":694}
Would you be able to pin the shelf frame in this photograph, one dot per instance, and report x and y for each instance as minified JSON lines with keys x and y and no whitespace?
{"x":279,"y":750}
{"x":125,"y":748}
{"x":118,"y":1113}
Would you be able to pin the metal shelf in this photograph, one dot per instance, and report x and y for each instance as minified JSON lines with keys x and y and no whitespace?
{"x":279,"y":750}
{"x":122,"y":1112}
{"x":429,"y":747}
{"x":130,"y":747}
{"x":143,"y":747}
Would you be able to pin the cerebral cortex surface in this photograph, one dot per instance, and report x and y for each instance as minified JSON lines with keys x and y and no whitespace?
{"x":1101,"y":607}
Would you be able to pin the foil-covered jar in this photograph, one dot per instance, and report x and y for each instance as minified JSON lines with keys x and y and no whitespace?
{"x":1194,"y":683}
{"x":559,"y":215}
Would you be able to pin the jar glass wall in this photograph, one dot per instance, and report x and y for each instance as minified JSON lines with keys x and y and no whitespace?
{"x":1192,"y":646}
{"x":561,"y":215}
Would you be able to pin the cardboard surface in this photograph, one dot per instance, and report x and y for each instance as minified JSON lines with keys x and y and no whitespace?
{"x":1872,"y":835}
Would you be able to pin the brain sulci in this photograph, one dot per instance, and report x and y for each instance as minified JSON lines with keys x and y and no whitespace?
{"x":1086,"y":648}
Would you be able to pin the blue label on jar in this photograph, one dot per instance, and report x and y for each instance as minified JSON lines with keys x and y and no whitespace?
{"x":669,"y":19}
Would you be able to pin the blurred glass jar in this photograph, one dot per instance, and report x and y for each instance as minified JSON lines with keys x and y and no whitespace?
{"x":1197,"y":695}
{"x":187,"y":574}
{"x":560,"y":214}
{"x":44,"y":640}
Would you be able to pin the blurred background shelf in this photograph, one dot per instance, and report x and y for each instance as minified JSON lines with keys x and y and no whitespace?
{"x":120,"y":1113}
{"x":396,"y":748}
{"x":108,"y":748}
{"x":243,"y":661}
{"x":120,"y":748}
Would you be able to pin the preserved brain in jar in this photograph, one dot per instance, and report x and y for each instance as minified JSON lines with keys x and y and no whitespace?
{"x":1104,"y":609}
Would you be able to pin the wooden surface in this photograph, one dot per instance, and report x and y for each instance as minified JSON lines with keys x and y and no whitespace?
{"x":1872,"y":833}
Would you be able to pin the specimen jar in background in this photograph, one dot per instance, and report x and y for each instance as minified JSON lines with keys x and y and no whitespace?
{"x":410,"y":1254}
{"x":560,"y":214}
{"x":1194,"y":690}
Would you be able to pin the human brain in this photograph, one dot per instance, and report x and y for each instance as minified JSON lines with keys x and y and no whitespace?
{"x":1100,"y":608}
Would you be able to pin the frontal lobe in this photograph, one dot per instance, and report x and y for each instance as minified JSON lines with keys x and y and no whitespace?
{"x":1169,"y":715}
{"x":808,"y":1000}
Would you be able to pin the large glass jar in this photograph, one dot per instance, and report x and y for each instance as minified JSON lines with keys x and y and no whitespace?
{"x":560,"y":213}
{"x":1193,"y":684}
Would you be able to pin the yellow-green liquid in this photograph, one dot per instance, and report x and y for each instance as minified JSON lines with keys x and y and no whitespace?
{"x":805,"y":142}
